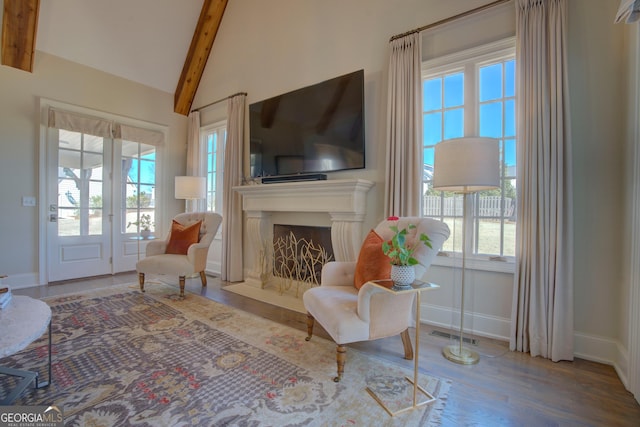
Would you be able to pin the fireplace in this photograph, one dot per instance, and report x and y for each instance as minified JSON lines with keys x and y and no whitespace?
{"x":343,"y":201}
{"x":298,"y":254}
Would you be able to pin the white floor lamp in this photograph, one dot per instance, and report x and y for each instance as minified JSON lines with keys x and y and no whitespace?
{"x":465,"y":165}
{"x":191,"y":188}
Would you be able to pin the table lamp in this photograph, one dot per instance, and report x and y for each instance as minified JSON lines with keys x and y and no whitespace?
{"x":191,"y":188}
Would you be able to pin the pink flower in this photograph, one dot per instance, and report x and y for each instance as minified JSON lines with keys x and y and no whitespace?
{"x":393,"y":218}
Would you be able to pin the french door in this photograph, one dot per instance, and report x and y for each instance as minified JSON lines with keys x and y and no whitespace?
{"x":134,"y":202}
{"x":79,"y":222}
{"x":100,"y":192}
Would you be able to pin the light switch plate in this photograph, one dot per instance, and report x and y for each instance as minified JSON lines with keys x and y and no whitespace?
{"x":28,"y":201}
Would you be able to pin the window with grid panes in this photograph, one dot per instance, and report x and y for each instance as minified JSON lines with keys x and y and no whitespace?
{"x":473,"y":94}
{"x":138,"y":163}
{"x":215,"y":137}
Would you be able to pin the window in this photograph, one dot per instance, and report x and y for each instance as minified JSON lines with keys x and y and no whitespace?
{"x":138,"y":187}
{"x":80,"y":182}
{"x":214,"y":137}
{"x":473,"y":93}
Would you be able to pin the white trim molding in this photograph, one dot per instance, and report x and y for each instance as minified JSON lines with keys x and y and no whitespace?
{"x":633,"y":384}
{"x":482,"y":325}
{"x":22,"y":281}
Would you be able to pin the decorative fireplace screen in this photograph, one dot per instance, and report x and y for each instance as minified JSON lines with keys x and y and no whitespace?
{"x":299,"y":252}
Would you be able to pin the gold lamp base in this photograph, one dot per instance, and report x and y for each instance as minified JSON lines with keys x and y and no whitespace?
{"x":460,"y":354}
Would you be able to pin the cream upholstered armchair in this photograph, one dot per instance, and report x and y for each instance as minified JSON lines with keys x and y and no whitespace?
{"x":349,"y":314}
{"x":184,"y":251}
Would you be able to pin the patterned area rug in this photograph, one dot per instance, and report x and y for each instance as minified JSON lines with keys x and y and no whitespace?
{"x":126,"y":358}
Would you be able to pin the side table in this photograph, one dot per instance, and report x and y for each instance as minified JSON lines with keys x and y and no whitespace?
{"x":416,"y":287}
{"x":23,"y":321}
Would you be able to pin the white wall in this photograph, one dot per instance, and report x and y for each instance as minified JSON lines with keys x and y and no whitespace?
{"x":60,"y":80}
{"x":268,"y":48}
{"x":598,"y":104}
{"x":629,"y":317}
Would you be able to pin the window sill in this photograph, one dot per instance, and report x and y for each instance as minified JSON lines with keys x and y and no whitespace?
{"x":480,"y":264}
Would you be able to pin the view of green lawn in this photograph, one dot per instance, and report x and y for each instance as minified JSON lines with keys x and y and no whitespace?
{"x":489,"y":236}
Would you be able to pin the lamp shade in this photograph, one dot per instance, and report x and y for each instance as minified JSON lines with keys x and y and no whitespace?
{"x":466,"y":165}
{"x":191,"y":187}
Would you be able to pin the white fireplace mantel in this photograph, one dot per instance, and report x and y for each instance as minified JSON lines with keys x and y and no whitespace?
{"x":344,"y":200}
{"x":336,"y":197}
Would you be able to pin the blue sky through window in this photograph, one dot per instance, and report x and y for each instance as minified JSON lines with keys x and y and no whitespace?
{"x":496,"y":115}
{"x":147,"y":169}
{"x":454,"y":90}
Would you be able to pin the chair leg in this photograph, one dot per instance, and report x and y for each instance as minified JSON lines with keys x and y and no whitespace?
{"x":181,"y":286}
{"x":141,"y":281}
{"x":341,"y":357}
{"x":310,"y":322}
{"x":203,"y":279}
{"x":406,"y":342}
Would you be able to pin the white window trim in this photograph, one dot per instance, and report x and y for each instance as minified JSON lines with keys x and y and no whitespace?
{"x":485,"y":53}
{"x":454,"y":259}
{"x":492,"y":51}
{"x":204,"y":130}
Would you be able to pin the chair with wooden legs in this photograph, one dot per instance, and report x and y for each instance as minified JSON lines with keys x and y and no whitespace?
{"x":349,"y":314}
{"x":188,"y":249}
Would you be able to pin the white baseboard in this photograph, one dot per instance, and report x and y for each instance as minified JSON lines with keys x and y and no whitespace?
{"x":214,"y":268}
{"x":589,"y":347}
{"x":475,"y":323}
{"x":21,"y":281}
{"x":602,"y":350}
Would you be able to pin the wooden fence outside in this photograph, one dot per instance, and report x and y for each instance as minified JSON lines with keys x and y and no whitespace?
{"x":489,"y":206}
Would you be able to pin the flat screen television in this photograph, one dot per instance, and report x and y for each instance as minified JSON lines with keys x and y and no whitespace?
{"x":316,"y":129}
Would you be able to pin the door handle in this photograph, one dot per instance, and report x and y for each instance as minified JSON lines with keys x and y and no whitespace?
{"x":53,"y":218}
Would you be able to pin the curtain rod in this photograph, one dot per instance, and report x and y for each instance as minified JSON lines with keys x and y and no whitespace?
{"x":219,"y":100}
{"x":449,"y":19}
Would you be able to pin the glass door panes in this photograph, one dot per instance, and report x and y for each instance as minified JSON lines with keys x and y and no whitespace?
{"x":138,"y":192}
{"x":80,"y":181}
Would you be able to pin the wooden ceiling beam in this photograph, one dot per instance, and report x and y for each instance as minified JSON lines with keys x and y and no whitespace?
{"x":19,"y":27}
{"x":201,"y":43}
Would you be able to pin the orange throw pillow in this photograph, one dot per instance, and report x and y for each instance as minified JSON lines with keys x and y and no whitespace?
{"x":182,"y":237}
{"x":372,"y":263}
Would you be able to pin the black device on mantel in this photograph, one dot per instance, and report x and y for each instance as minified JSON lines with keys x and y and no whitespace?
{"x":294,"y":178}
{"x":303,"y":134}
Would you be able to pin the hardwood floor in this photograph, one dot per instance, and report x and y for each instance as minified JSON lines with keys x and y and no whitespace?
{"x":505,"y":389}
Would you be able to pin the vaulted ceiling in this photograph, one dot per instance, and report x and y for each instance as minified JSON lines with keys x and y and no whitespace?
{"x":159,"y":43}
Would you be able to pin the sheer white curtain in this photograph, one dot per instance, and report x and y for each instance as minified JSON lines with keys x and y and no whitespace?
{"x":196,"y":157}
{"x":404,"y":130}
{"x":542,"y":316}
{"x":232,"y":202}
